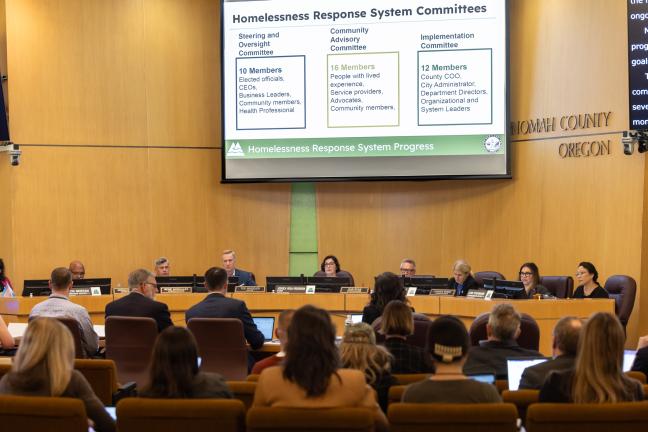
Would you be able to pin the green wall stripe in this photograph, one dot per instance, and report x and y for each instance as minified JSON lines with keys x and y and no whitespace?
{"x":303,"y":230}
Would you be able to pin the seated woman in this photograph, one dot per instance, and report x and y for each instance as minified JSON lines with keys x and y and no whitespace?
{"x":397,"y":323}
{"x":330,"y":267}
{"x":174,"y":370}
{"x":358,"y":350}
{"x":387,"y":287}
{"x":6,"y":289}
{"x":449,"y":344}
{"x":44,"y":366}
{"x":462,"y":281}
{"x":530,"y":277}
{"x":587,"y":276}
{"x":309,"y":377}
{"x":598,"y":375}
{"x":6,"y":340}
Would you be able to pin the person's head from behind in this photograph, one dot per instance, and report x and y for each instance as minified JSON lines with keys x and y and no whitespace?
{"x":78,"y":269}
{"x":174,"y":363}
{"x":283,"y":322}
{"x":387,"y":287}
{"x":503,"y":323}
{"x":408,"y":267}
{"x":565,"y":336}
{"x":162,"y":266}
{"x":449,"y":341}
{"x":397,"y":319}
{"x":460,"y":271}
{"x":46,"y":353}
{"x":529,"y":274}
{"x":599,"y":377}
{"x":216,"y":280}
{"x":143,"y":281}
{"x":330,"y":265}
{"x":586,"y":273}
{"x":311,"y":354}
{"x":60,"y":280}
{"x":359,"y":351}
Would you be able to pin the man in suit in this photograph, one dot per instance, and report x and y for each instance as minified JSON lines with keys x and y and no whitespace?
{"x":565,"y":344}
{"x":229,"y":264}
{"x":140,"y":303}
{"x":490,"y":356}
{"x":216,"y":305}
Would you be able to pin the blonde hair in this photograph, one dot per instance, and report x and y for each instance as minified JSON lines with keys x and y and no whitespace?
{"x":358,"y":350}
{"x":46,"y":350}
{"x":599,"y":377}
{"x":462,"y":266}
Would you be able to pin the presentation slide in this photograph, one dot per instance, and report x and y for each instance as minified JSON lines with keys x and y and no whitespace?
{"x":364,"y":89}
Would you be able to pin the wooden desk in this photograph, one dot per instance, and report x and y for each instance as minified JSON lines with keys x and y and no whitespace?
{"x":546,"y":312}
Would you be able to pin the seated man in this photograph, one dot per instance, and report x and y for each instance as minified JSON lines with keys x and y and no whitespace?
{"x":216,"y":305}
{"x":280,"y":332}
{"x":58,"y":305}
{"x":162,"y":267}
{"x":490,"y":356}
{"x":78,"y":270}
{"x":229,"y":264}
{"x":449,"y":343}
{"x":565,"y":345}
{"x":140,"y":302}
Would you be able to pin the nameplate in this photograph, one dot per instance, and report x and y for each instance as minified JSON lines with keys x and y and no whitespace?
{"x":253,"y":289}
{"x":121,"y":290}
{"x":354,"y":290}
{"x":290,"y":289}
{"x":81,"y":291}
{"x":476,"y":293}
{"x":411,"y":291}
{"x":442,"y":292}
{"x":175,"y":289}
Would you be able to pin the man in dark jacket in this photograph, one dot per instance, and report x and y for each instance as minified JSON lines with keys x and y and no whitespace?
{"x":490,"y":356}
{"x":565,"y":345}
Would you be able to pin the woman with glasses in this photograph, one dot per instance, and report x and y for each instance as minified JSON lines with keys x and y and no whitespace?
{"x":587,"y":277}
{"x":530,"y":277}
{"x":330,"y":267}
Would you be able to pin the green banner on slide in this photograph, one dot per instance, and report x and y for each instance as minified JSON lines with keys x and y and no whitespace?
{"x":461,"y":145}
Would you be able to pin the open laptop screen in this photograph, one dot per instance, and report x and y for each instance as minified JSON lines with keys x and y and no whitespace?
{"x":265,"y":326}
{"x":628,"y":359}
{"x":516,"y":366}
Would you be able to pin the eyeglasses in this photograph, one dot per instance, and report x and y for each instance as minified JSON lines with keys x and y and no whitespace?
{"x":581,"y":273}
{"x":329,"y":263}
{"x":526,"y":274}
{"x":151,"y":283}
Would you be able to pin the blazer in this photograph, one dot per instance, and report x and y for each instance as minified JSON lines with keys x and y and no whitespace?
{"x":534,"y":377}
{"x":641,"y":361}
{"x":138,"y":305}
{"x":490,"y":357}
{"x":216,"y":305}
{"x":244,"y":277}
{"x":408,"y":359}
{"x":469,"y":283}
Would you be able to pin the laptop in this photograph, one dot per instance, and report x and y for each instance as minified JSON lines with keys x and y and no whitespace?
{"x":516,"y":366}
{"x":356,"y":318}
{"x":484,"y":378}
{"x":265,"y":326}
{"x":628,"y":359}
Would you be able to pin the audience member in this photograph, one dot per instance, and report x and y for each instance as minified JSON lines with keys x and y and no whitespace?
{"x":449,"y":343}
{"x":58,"y":305}
{"x":280,"y":332}
{"x":387,"y":287}
{"x":587,"y":276}
{"x":77,"y":269}
{"x":140,"y":301}
{"x":359,"y":351}
{"x":565,"y":346}
{"x":216,"y":305}
{"x":529,"y":275}
{"x":174,"y":370}
{"x":641,"y":360}
{"x":397,"y":323}
{"x":408,"y":267}
{"x":462,"y":281}
{"x":6,"y":340}
{"x":44,"y":366}
{"x":6,"y":289}
{"x":330,"y":267}
{"x":162,"y":267}
{"x":598,"y":376}
{"x":229,"y":264}
{"x":490,"y":356}
{"x":309,"y":377}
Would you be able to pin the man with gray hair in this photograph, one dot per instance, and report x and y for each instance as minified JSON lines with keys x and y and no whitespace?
{"x":58,"y":305}
{"x":565,"y":345}
{"x":140,"y":301}
{"x":162,"y":267}
{"x":408,"y":267}
{"x":490,"y":356}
